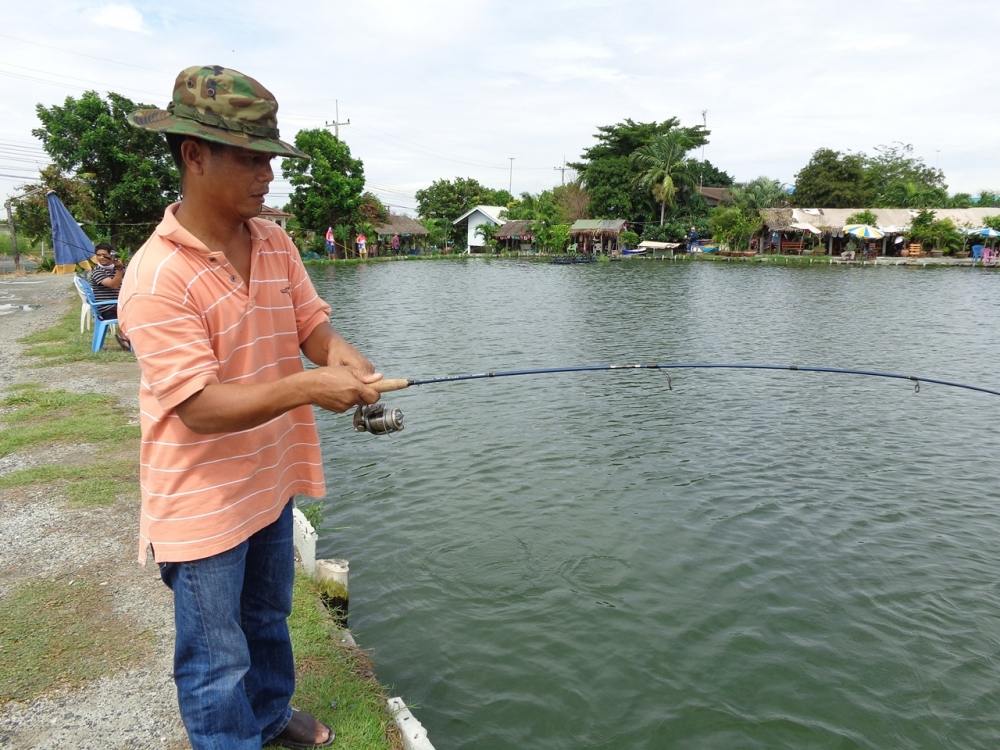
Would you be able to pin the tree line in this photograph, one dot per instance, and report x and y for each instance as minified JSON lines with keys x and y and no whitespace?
{"x":117,"y":180}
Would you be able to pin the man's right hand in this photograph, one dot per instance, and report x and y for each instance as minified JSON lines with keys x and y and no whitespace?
{"x":339,"y":388}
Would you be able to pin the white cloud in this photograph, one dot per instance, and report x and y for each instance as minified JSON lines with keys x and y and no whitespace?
{"x":119,"y":16}
{"x":448,"y":88}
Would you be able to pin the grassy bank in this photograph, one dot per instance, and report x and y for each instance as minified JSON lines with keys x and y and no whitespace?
{"x":335,"y":681}
{"x":62,"y":632}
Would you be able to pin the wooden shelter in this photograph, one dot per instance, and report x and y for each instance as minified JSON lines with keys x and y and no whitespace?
{"x":515,"y":235}
{"x":597,"y":236}
{"x":412,"y":234}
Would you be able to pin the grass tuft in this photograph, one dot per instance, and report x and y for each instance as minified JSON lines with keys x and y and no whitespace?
{"x":63,"y":633}
{"x":63,"y":343}
{"x":82,"y":487}
{"x":33,"y":416}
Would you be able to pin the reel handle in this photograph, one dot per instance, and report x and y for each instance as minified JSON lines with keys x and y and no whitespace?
{"x":391,"y":384}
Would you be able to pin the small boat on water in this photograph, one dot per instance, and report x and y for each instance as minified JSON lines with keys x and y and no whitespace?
{"x":633,"y":250}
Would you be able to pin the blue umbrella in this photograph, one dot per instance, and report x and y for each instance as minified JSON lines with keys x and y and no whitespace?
{"x":69,"y":242}
{"x":984,"y":232}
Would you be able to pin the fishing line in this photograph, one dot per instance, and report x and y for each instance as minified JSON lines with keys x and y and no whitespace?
{"x":379,"y":419}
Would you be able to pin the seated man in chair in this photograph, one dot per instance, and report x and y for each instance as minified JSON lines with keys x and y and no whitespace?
{"x":106,"y":279}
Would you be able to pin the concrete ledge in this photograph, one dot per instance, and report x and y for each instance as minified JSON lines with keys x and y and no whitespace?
{"x":304,"y":538}
{"x":411,"y":731}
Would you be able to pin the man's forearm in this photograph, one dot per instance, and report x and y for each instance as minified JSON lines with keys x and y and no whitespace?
{"x":231,"y":407}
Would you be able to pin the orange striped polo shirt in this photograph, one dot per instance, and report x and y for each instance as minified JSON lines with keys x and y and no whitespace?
{"x":193,"y":322}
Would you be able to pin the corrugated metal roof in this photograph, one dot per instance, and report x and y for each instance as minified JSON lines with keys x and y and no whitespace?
{"x":829,"y":219}
{"x":719,"y":194}
{"x":598,"y":225}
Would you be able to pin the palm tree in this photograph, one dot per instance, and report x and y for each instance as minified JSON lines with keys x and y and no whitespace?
{"x":759,"y":194}
{"x":664,"y":166}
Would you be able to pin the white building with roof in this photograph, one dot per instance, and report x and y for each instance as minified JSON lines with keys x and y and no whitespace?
{"x":477,"y":216}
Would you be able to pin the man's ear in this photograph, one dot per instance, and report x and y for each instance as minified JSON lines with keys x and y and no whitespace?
{"x":194,"y":153}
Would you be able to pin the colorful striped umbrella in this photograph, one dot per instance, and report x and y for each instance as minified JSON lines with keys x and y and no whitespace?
{"x":864,"y":231}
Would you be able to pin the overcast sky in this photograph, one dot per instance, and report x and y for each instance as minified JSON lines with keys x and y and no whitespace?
{"x":444,"y":88}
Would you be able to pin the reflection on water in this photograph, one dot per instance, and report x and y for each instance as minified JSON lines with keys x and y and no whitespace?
{"x":749,"y":560}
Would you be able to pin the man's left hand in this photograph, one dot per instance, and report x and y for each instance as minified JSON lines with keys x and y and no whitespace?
{"x":342,"y":353}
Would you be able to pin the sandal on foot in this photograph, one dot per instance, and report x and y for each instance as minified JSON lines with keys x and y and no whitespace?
{"x":299,"y":733}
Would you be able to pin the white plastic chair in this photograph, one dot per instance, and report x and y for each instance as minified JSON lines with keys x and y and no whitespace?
{"x":86,"y":316}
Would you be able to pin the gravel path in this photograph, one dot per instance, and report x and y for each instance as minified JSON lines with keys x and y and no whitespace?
{"x":43,"y":538}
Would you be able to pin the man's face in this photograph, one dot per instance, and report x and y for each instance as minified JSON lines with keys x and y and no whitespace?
{"x":238,"y":179}
{"x":104,"y":258}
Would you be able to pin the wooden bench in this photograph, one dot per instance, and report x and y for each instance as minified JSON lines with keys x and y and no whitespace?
{"x":791,"y":247}
{"x":915,"y":250}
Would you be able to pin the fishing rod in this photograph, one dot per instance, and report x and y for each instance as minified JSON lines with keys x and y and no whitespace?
{"x":380,"y":419}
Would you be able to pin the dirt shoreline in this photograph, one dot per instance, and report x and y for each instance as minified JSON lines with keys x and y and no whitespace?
{"x":43,"y":538}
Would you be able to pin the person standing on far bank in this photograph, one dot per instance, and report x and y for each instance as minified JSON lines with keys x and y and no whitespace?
{"x":218,"y":307}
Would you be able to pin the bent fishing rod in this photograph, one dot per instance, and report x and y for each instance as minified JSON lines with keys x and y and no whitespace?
{"x":380,"y":419}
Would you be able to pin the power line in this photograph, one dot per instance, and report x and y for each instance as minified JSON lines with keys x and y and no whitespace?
{"x":57,"y":79}
{"x":74,"y":52}
{"x":66,"y":82}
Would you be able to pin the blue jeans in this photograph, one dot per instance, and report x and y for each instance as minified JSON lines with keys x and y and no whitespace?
{"x":233,"y":662}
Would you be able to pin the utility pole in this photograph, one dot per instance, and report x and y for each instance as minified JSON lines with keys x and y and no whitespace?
{"x":336,"y":120}
{"x":13,"y":237}
{"x":704,"y":125}
{"x":562,"y":172}
{"x":510,"y":182}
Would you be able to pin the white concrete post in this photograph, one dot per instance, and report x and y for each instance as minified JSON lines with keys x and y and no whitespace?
{"x":332,"y":576}
{"x":411,"y":731}
{"x":304,"y":538}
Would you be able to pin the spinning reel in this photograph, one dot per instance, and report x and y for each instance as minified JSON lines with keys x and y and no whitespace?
{"x":378,"y":419}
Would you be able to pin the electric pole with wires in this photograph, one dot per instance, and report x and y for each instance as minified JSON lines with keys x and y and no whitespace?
{"x":336,"y":120}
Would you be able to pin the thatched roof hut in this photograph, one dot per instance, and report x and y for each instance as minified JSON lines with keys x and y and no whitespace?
{"x":519,"y":229}
{"x":404,"y":226}
{"x":597,"y":235}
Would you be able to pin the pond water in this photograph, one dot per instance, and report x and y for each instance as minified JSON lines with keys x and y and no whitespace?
{"x":748,"y":560}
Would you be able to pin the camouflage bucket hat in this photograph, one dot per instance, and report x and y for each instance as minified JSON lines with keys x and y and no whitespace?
{"x":220,"y":105}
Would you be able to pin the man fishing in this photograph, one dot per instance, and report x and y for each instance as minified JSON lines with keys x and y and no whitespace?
{"x":218,"y":307}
